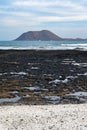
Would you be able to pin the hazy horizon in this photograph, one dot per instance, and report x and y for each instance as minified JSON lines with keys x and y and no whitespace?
{"x":66,"y":18}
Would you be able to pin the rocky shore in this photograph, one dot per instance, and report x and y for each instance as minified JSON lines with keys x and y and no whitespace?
{"x":42,"y":77}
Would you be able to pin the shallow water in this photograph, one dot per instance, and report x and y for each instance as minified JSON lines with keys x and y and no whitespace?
{"x":15,"y":99}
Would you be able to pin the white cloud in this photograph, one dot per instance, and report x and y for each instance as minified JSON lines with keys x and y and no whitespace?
{"x":26,"y":19}
{"x":48,"y":3}
{"x":19,"y":22}
{"x":17,"y":13}
{"x":40,"y":3}
{"x":8,"y":22}
{"x":62,"y":19}
{"x":52,"y":11}
{"x":56,"y":10}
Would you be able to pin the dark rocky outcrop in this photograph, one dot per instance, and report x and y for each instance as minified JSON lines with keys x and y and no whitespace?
{"x":42,"y":77}
{"x":43,"y":35}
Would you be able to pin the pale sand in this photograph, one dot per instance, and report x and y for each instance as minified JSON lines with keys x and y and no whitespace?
{"x":56,"y":117}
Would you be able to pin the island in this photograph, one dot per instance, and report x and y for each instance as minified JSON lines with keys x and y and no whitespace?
{"x":43,"y":35}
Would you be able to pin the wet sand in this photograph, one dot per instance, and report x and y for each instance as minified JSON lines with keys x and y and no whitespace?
{"x":42,"y":77}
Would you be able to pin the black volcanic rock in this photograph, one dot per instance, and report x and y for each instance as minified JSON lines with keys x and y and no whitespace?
{"x":43,"y":35}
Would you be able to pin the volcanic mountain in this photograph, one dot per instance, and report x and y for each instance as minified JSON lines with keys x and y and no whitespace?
{"x":43,"y":35}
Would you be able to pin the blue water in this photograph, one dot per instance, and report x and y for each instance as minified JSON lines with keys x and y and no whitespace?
{"x":44,"y":45}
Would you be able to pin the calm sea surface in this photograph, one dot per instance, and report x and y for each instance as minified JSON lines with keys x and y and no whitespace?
{"x":44,"y":45}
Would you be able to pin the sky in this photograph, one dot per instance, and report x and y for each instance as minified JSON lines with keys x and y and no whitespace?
{"x":66,"y":18}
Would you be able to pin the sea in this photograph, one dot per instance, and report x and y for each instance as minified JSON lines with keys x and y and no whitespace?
{"x":44,"y":45}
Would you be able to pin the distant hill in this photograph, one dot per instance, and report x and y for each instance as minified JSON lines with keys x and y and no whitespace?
{"x":43,"y":35}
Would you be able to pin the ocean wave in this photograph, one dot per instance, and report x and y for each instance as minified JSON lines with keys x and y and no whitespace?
{"x":43,"y":45}
{"x":43,"y":48}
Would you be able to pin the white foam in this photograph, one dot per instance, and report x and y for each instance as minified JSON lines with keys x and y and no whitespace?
{"x":59,"y":47}
{"x":72,"y":77}
{"x":85,"y":74}
{"x":35,"y":88}
{"x":73,"y":62}
{"x":68,"y":61}
{"x":33,"y":63}
{"x":3,"y":74}
{"x":34,"y":68}
{"x":6,"y":48}
{"x":14,"y":92}
{"x":80,"y":64}
{"x":18,"y":73}
{"x":56,"y":81}
{"x":15,"y":99}
{"x":78,"y":94}
{"x":52,"y":98}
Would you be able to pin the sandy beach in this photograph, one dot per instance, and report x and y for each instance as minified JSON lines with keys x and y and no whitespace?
{"x":52,"y":117}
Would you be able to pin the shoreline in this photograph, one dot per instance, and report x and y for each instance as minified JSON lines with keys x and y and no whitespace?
{"x":41,"y":49}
